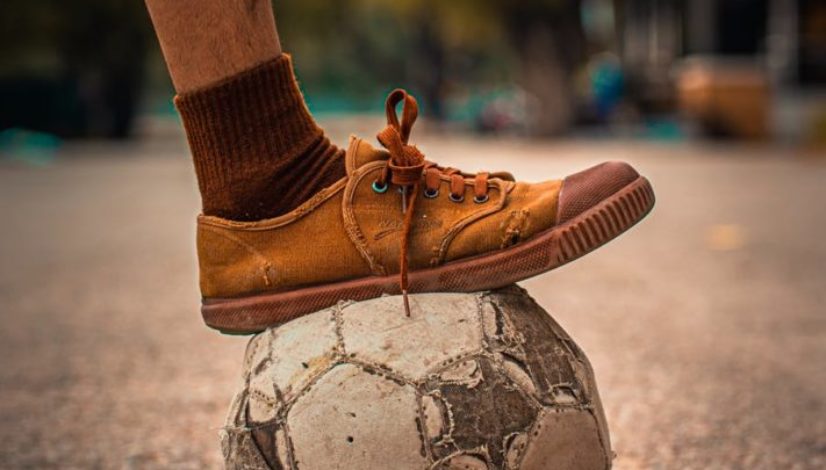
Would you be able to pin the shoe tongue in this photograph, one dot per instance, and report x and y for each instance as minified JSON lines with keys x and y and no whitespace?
{"x":360,"y":152}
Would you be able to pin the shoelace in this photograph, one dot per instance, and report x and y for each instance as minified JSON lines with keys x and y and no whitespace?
{"x":405,"y":169}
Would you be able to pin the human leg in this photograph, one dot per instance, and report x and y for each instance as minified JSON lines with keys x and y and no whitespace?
{"x":257,"y":151}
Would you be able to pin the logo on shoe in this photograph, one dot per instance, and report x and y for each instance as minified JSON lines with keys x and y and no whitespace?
{"x":389,"y":226}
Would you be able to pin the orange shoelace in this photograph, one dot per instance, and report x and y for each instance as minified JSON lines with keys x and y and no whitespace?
{"x":405,"y":169}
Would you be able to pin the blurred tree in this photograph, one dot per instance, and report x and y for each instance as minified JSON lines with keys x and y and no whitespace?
{"x":349,"y":53}
{"x":72,"y":69}
{"x":549,"y":41}
{"x":430,"y":45}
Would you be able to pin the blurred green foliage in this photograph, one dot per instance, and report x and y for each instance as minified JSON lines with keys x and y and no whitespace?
{"x":435,"y":48}
{"x":348,"y":53}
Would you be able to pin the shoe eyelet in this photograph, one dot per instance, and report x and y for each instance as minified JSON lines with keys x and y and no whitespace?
{"x":431,"y":193}
{"x":379,"y":188}
{"x":481,"y":200}
{"x":457,"y":198}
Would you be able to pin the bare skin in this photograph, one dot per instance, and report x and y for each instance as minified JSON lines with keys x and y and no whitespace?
{"x":206,"y":41}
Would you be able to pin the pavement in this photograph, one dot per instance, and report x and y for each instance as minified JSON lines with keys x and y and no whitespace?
{"x":706,"y":324}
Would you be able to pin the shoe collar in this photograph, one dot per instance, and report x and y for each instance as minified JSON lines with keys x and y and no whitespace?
{"x":360,"y":153}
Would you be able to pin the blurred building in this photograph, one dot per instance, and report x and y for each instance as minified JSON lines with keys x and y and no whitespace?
{"x":736,"y":66}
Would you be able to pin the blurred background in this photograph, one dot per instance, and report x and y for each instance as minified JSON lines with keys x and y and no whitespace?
{"x":706,"y":324}
{"x":659,"y":69}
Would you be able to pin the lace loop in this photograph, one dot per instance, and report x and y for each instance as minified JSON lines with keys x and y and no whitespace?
{"x":480,"y":186}
{"x":457,"y":185}
{"x":410,"y":111}
{"x":432,"y":178}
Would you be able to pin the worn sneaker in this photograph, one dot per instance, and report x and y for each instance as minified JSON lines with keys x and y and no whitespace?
{"x":398,"y":223}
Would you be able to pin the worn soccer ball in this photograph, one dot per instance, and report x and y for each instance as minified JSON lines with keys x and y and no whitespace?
{"x":469,"y":381}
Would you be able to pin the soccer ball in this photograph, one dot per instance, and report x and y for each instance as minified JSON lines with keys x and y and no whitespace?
{"x":469,"y":381}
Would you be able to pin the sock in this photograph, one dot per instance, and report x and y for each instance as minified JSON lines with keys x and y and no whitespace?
{"x":258,"y":153}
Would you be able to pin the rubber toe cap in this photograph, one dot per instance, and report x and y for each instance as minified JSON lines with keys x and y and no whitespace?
{"x":582,"y":191}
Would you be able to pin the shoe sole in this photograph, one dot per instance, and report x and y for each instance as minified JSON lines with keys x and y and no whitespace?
{"x":543,"y":252}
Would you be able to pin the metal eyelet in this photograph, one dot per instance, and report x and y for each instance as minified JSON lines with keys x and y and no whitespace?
{"x":481,"y":200}
{"x":457,"y":198}
{"x":378,"y":188}
{"x":431,"y":193}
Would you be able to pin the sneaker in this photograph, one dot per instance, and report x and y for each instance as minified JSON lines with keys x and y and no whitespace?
{"x":399,"y":224}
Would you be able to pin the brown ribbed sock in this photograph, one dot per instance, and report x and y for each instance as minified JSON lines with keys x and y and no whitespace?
{"x":258,"y":152}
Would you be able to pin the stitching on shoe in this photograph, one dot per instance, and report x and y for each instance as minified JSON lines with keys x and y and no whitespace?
{"x":307,"y":207}
{"x":350,"y":155}
{"x":351,"y":225}
{"x":474,"y":216}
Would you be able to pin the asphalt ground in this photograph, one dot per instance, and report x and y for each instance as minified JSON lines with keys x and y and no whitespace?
{"x":706,"y":324}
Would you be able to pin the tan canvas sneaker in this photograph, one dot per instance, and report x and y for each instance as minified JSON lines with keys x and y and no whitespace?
{"x":398,"y":223}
